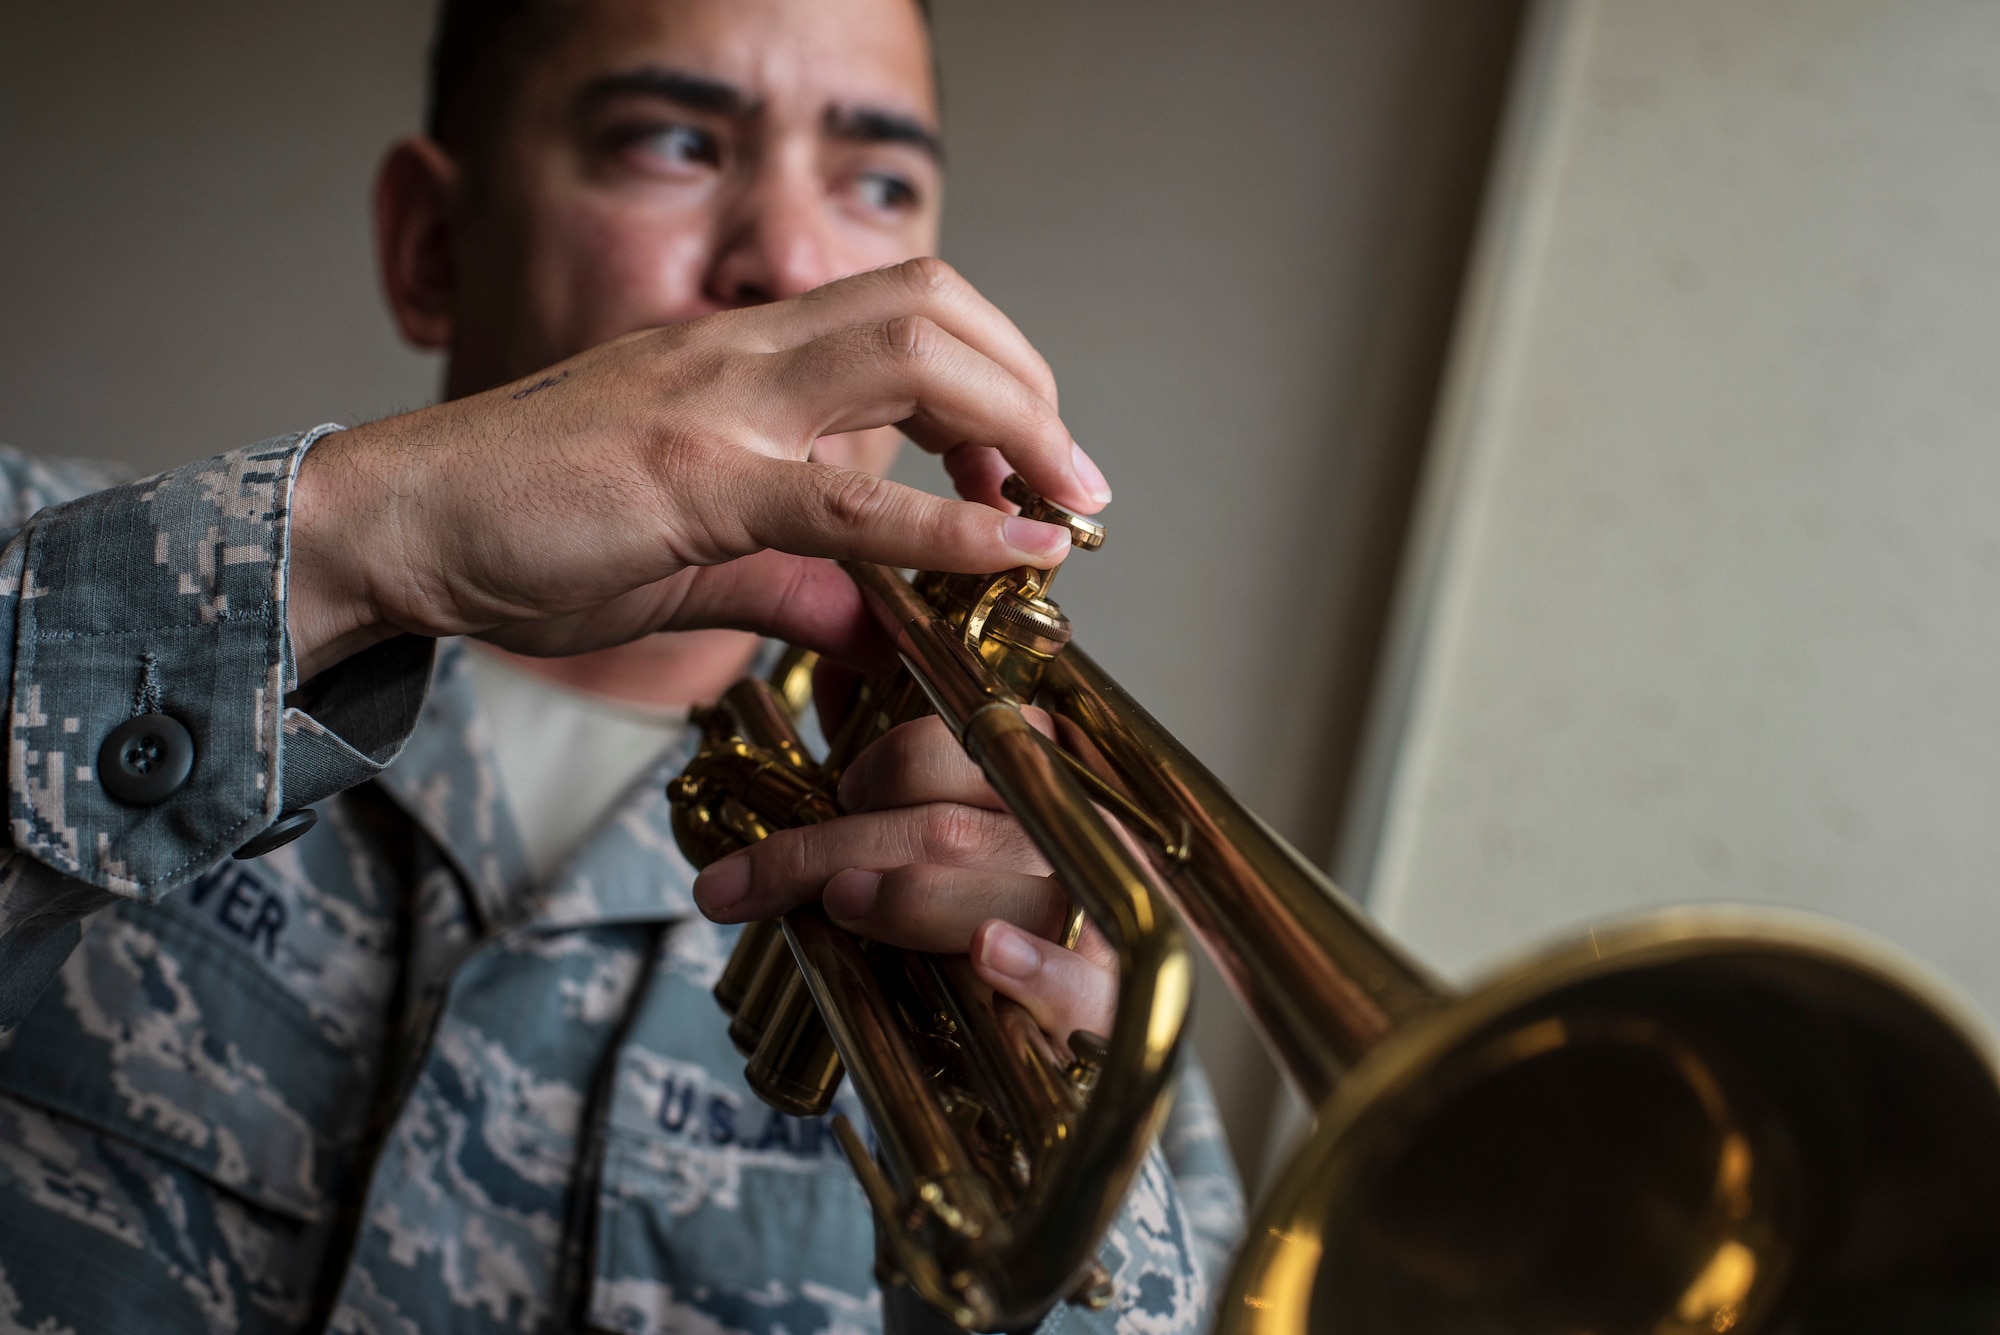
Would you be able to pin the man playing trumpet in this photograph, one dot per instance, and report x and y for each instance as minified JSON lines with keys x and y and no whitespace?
{"x":449,"y":1062}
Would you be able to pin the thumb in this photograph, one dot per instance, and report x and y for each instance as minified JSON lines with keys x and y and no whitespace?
{"x":804,"y":600}
{"x":815,"y":509}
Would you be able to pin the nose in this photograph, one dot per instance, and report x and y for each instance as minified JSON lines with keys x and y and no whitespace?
{"x":777,"y":243}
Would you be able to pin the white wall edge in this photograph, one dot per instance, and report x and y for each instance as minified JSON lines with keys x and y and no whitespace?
{"x":1487,"y":344}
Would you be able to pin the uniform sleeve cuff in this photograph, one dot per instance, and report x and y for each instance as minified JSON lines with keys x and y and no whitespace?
{"x":151,"y":616}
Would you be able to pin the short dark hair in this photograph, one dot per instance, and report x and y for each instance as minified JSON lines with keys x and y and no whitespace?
{"x":478,"y":51}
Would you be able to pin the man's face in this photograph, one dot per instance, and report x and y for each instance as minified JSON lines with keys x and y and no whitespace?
{"x":666,"y":159}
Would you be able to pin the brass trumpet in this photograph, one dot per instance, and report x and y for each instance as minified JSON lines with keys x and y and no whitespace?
{"x":1705,"y":1121}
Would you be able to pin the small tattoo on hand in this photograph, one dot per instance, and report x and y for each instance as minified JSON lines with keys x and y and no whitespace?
{"x":544,"y":383}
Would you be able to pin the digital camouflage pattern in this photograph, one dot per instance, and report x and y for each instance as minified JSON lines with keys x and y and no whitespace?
{"x":380,"y":1080}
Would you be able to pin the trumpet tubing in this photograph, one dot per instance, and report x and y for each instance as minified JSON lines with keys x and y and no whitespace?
{"x":1706,"y":1121}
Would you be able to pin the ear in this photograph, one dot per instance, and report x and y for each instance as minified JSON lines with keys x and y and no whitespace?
{"x":416,"y":201}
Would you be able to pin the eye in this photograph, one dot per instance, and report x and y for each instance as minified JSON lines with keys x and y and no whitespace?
{"x":680,"y":144}
{"x":886,"y":191}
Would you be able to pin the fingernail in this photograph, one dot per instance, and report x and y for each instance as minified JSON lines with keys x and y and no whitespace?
{"x":722,"y":886}
{"x":1088,"y":473}
{"x":1035,"y":540}
{"x":1007,"y":951}
{"x":851,"y":894}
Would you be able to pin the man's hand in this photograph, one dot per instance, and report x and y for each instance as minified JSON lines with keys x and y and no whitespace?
{"x":620,"y":492}
{"x":929,"y":859}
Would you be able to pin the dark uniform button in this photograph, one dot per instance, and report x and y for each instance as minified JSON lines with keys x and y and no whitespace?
{"x":145,"y":760}
{"x":289,"y":826}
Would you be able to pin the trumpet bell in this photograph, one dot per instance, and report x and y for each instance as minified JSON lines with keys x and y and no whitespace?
{"x":1705,"y":1122}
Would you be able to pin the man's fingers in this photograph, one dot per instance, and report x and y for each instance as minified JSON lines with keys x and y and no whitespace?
{"x":1063,"y":991}
{"x":813,"y":509}
{"x":919,"y":762}
{"x":937,"y":908}
{"x":802,"y":600}
{"x":1002,"y":921}
{"x":928,"y":287}
{"x":976,"y":473}
{"x":911,"y":371}
{"x":793,"y":866}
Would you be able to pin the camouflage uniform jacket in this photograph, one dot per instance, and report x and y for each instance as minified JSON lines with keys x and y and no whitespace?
{"x":379,"y":1080}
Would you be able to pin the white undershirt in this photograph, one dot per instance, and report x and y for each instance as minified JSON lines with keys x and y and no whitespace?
{"x":565,"y":758}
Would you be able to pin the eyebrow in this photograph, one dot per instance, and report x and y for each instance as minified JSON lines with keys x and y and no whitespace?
{"x":694,"y":91}
{"x":873,"y":125}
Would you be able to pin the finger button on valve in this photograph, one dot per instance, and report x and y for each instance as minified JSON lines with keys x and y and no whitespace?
{"x":1087,"y":534}
{"x":145,"y":760}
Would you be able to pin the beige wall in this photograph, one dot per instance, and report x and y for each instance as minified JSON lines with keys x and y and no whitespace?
{"x":184,"y":260}
{"x":1234,"y":229}
{"x":1707,"y":600}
